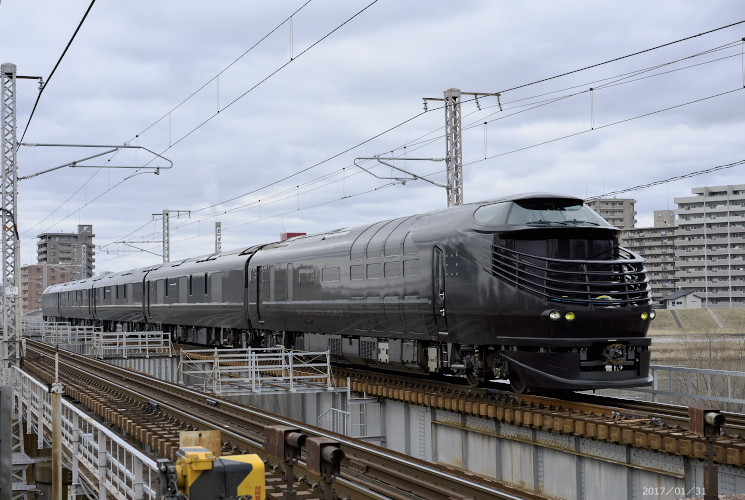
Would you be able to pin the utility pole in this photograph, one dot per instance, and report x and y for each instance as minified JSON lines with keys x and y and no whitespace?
{"x":454,"y":141}
{"x":167,"y":231}
{"x":11,"y":269}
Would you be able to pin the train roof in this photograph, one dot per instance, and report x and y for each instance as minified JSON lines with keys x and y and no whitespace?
{"x":217,"y":260}
{"x":529,"y":196}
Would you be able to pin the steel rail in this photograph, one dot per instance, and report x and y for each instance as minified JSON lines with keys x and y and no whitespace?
{"x":367,"y":469}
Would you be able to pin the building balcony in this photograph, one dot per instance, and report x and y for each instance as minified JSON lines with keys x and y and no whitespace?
{"x":682,"y":253}
{"x":725,"y":295}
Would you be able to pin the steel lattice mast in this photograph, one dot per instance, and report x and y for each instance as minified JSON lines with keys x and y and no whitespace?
{"x":11,"y":271}
{"x":167,"y":231}
{"x":453,"y":147}
{"x":454,"y":140}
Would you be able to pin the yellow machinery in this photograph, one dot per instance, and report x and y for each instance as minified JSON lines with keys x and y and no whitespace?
{"x":200,"y":473}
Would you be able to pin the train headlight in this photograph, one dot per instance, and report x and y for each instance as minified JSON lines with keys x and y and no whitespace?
{"x":645,"y":316}
{"x":652,"y":315}
{"x":569,"y":316}
{"x":554,"y":315}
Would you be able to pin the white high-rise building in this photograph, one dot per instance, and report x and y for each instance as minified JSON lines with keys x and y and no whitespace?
{"x":710,"y":244}
{"x":657,"y":246}
{"x":618,"y":211}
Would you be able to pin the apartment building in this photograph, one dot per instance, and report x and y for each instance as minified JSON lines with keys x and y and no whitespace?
{"x":618,"y":211}
{"x":72,"y":251}
{"x":657,"y":246}
{"x":710,"y":244}
{"x":35,"y":278}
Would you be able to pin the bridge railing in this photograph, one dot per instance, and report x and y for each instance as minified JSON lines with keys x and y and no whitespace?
{"x":103,"y":465}
{"x":722,"y":389}
{"x":76,"y":338}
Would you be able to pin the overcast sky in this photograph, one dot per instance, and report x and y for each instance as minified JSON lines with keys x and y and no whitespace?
{"x":309,"y":92}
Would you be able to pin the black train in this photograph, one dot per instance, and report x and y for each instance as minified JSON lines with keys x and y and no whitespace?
{"x":533,"y":288}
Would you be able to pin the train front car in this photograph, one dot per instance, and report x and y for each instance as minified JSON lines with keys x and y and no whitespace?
{"x":551,"y":300}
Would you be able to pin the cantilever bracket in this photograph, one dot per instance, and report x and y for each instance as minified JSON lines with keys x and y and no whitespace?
{"x":113,"y":149}
{"x":400,"y":179}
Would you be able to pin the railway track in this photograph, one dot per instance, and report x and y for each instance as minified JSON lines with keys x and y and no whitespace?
{"x":499,"y":393}
{"x":654,"y":426}
{"x":152,"y":412}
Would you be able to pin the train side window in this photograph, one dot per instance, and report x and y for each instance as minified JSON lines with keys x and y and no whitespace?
{"x":391,"y":270}
{"x":206,"y":290}
{"x":409,"y":245}
{"x":279,"y":287}
{"x":306,"y":276}
{"x":359,"y":247}
{"x":357,"y":272}
{"x":374,"y":271}
{"x":395,"y":239}
{"x":411,"y":268}
{"x":116,"y":291}
{"x":330,"y":274}
{"x":377,"y":241}
{"x":167,"y":287}
{"x":191,"y":285}
{"x":494,"y":214}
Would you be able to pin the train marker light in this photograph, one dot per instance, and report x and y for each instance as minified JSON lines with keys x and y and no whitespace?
{"x":569,"y":316}
{"x":645,"y":315}
{"x":554,"y":315}
{"x":652,"y":315}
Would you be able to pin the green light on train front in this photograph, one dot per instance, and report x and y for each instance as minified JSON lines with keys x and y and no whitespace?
{"x":645,"y":315}
{"x":569,"y":316}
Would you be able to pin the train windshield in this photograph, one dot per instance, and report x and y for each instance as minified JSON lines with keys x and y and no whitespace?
{"x":540,"y":211}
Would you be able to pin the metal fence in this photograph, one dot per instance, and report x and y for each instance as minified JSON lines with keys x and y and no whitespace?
{"x":129,"y":344}
{"x":74,"y":338}
{"x":721,"y":389}
{"x":255,"y":370}
{"x":103,"y":465}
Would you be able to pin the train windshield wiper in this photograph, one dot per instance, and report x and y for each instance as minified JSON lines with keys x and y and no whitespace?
{"x":576,"y":221}
{"x":563,"y":223}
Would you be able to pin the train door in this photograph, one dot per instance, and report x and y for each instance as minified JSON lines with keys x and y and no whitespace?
{"x":439,"y":290}
{"x":152,"y":296}
{"x":290,"y":282}
{"x":259,"y":279}
{"x":146,"y":299}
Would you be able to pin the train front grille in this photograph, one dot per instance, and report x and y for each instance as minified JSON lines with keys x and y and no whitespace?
{"x":620,"y":281}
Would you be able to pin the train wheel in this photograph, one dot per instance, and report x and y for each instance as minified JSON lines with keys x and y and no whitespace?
{"x":473,"y":378}
{"x":516,"y":384}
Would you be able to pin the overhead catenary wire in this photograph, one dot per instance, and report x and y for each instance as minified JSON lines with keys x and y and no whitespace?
{"x":670,"y":179}
{"x":236,"y":209}
{"x":481,"y":122}
{"x":44,"y":86}
{"x":556,"y":139}
{"x":307,"y":49}
{"x":162,"y":117}
{"x":624,"y":57}
{"x":662,"y":110}
{"x":308,"y":168}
